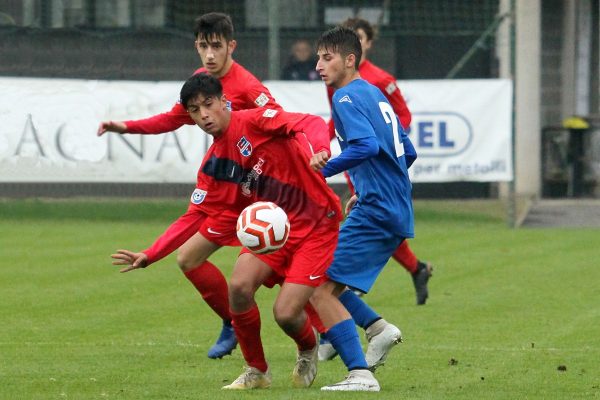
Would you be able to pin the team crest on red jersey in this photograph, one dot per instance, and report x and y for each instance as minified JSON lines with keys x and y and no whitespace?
{"x":244,"y":146}
{"x":198,"y":196}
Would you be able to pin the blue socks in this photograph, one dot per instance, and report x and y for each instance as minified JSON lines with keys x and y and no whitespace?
{"x":345,"y":341}
{"x":362,"y":314}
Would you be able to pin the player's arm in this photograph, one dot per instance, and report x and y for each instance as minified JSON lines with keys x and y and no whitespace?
{"x":283,"y":123}
{"x":130,"y":259}
{"x":315,"y":130}
{"x":176,"y":235}
{"x":257,"y":95}
{"x":111,"y":126}
{"x":160,"y":123}
{"x":357,"y":151}
{"x":360,"y":138}
{"x":305,"y":127}
{"x":392,"y":92}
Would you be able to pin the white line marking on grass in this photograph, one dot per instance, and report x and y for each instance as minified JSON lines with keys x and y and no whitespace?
{"x":110,"y":344}
{"x":508,"y":349}
{"x":537,"y":347}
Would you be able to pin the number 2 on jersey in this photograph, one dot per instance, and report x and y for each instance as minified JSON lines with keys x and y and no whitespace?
{"x":390,"y":118}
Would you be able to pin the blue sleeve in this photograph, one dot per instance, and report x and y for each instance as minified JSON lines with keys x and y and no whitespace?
{"x":357,"y":151}
{"x":410,"y":154}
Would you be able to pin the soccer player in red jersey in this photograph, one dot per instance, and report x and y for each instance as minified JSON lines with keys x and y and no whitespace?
{"x":215,"y":45}
{"x":420,"y":271}
{"x":260,"y":155}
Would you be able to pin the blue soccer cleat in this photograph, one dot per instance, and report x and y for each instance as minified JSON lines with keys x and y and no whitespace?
{"x":225,"y":343}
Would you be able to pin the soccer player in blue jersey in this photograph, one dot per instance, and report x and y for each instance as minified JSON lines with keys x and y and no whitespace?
{"x":381,"y":215}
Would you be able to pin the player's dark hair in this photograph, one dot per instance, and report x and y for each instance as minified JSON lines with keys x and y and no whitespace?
{"x":359,"y":23}
{"x":341,"y":40}
{"x":213,"y":24}
{"x":200,"y":84}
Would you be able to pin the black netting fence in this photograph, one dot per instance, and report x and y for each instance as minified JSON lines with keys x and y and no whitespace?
{"x":152,"y":39}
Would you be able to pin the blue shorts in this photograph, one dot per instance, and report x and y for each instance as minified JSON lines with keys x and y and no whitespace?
{"x":363,"y":250}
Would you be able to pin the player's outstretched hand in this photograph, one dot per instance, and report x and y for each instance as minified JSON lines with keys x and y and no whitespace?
{"x":131,"y":259}
{"x":318,"y":160}
{"x":351,"y":202}
{"x":111,"y":126}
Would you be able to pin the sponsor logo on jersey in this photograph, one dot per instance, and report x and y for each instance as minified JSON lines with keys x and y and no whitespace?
{"x":228,"y":105}
{"x":244,"y":146}
{"x":344,"y":99}
{"x":198,"y":196}
{"x":261,"y":100}
{"x":391,"y":88}
{"x":252,"y":177}
{"x":232,"y":173}
{"x":269,"y":113}
{"x":313,"y":277}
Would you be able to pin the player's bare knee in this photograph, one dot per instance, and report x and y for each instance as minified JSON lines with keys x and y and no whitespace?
{"x":187,"y":260}
{"x":288,"y":318}
{"x":241,"y":294}
{"x":184,"y":262}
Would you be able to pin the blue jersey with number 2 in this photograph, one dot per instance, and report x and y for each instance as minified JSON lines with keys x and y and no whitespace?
{"x":359,"y":110}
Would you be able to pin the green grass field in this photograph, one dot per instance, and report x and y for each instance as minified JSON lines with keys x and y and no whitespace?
{"x":508,"y":306}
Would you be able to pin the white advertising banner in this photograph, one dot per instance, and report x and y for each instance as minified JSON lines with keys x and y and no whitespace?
{"x":48,"y":133}
{"x":460,"y":128}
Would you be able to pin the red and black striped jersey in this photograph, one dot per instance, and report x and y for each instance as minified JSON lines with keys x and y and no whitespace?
{"x":264,"y":155}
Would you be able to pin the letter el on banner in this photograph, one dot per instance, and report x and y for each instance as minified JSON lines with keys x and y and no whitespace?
{"x":461,"y":129}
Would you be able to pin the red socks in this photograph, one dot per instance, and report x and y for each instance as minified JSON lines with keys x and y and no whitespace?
{"x":406,"y":257}
{"x":314,"y":318}
{"x":212,"y":285}
{"x":247,"y":331}
{"x":305,"y":339}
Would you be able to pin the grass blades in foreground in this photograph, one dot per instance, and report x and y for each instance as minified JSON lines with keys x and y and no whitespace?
{"x":507,"y":309}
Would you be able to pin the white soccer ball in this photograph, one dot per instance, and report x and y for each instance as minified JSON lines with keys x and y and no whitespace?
{"x":263,"y":227}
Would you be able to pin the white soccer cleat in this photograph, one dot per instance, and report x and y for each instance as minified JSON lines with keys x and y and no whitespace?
{"x":381,"y":344}
{"x":305,"y":370}
{"x":358,"y":380}
{"x":251,"y":378}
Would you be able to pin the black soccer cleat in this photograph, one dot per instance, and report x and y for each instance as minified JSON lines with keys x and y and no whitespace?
{"x":420,"y":279}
